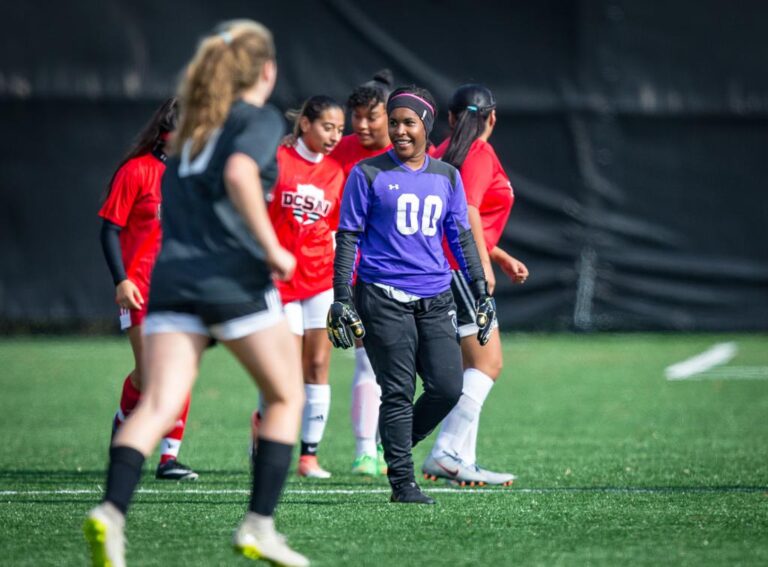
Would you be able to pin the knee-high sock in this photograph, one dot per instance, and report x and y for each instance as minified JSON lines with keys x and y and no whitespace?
{"x":366,"y":399}
{"x":270,"y":467}
{"x":315,"y":414}
{"x":171,"y":443}
{"x":458,"y":434}
{"x":123,"y":476}
{"x":129,"y":399}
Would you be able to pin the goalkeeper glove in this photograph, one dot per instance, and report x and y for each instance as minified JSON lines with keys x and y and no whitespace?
{"x":485,"y":317}
{"x":343,"y":325}
{"x":485,"y":311}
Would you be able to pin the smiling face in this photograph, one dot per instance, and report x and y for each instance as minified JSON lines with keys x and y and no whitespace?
{"x":370,"y":126}
{"x":409,"y":138}
{"x":322,"y":135}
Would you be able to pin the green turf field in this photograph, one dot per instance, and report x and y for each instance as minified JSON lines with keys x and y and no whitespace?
{"x":617,"y":465}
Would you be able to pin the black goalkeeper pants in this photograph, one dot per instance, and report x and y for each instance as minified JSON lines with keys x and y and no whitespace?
{"x":403,"y":339}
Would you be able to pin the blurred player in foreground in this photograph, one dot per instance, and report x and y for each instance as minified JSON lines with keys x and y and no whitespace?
{"x":130,"y":239}
{"x":213,"y":279}
{"x":397,"y":207}
{"x":472,"y":116}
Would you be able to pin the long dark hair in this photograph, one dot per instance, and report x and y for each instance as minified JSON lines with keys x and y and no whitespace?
{"x":471,"y":105}
{"x":312,"y":108}
{"x":152,"y":136}
{"x":372,"y":92}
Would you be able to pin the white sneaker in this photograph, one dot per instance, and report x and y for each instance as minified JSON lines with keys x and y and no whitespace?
{"x":256,"y":538}
{"x":103,"y":529}
{"x":496,"y":478}
{"x":451,"y":467}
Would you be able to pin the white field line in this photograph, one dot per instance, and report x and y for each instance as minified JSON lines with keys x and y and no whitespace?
{"x":734,"y":373}
{"x":716,"y":355}
{"x":352,"y":491}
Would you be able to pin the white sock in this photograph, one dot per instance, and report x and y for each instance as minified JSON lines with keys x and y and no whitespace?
{"x":315,"y":414}
{"x":366,"y":398}
{"x":170,"y":447}
{"x":477,"y":386}
{"x":460,"y":424}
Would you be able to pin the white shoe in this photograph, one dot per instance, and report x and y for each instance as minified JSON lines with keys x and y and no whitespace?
{"x":256,"y":538}
{"x":103,"y":529}
{"x":496,"y":478}
{"x":451,"y":467}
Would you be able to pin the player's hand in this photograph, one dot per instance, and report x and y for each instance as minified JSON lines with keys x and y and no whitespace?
{"x":343,"y":325}
{"x":515,"y":269}
{"x":282,"y":263}
{"x":485,"y":318}
{"x":128,"y":296}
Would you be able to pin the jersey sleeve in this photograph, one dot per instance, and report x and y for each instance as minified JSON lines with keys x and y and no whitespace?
{"x":459,"y":235}
{"x":477,"y":175}
{"x":355,"y":202}
{"x":261,"y":136}
{"x":125,"y":188}
{"x":338,"y":185}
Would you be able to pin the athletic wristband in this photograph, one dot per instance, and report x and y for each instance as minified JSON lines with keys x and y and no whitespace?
{"x":110,"y":244}
{"x":342,"y":293}
{"x":479,"y":289}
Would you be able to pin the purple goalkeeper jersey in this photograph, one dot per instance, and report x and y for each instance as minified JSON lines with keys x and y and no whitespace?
{"x":402,"y":216}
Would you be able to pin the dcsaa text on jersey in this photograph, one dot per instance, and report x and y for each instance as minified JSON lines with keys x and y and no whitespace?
{"x":308,"y":203}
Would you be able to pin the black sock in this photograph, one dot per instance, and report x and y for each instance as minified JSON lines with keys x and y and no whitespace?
{"x":308,"y":448}
{"x":123,"y":475}
{"x":270,"y":467}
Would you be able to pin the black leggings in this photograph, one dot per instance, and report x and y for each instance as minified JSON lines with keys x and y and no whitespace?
{"x":403,"y":339}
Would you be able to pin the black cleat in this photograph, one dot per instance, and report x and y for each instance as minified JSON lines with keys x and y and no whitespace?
{"x":409,"y":493}
{"x":174,"y":470}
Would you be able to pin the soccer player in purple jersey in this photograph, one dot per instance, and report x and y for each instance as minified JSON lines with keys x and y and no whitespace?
{"x":396,"y":209}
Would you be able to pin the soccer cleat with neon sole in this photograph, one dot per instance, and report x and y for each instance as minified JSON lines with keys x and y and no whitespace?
{"x":452,"y":468}
{"x":496,"y":478}
{"x":382,"y":464}
{"x":310,"y":468}
{"x":103,"y":530}
{"x":256,"y":539}
{"x":365,"y":465}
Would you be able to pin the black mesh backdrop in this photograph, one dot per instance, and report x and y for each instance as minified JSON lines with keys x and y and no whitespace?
{"x":635,"y":135}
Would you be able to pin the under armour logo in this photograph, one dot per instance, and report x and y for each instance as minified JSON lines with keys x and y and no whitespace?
{"x":393,"y":186}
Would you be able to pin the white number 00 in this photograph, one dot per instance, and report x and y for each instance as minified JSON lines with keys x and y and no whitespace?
{"x":408,"y":206}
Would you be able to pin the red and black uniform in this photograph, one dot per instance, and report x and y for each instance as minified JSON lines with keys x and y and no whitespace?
{"x":133,"y":204}
{"x":487,"y":188}
{"x":305,"y":212}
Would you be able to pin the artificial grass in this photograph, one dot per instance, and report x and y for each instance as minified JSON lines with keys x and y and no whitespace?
{"x":616,"y":464}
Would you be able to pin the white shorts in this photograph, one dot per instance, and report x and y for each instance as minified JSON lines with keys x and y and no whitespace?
{"x":232,"y":329}
{"x":309,"y":313}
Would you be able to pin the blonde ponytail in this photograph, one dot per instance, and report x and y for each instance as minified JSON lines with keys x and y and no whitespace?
{"x":225,"y":65}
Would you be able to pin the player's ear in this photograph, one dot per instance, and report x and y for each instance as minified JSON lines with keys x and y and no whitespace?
{"x":492,"y":118}
{"x":304,"y":124}
{"x":451,"y":119}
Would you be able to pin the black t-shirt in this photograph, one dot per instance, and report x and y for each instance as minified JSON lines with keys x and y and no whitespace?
{"x":208,"y":254}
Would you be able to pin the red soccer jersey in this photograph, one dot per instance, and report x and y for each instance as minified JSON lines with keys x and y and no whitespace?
{"x":304,"y":211}
{"x":349,"y":151}
{"x":487,"y":188}
{"x":133,"y":203}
